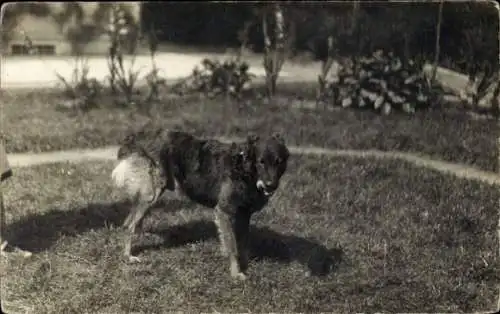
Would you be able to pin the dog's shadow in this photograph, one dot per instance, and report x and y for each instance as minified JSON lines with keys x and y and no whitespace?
{"x":40,"y":232}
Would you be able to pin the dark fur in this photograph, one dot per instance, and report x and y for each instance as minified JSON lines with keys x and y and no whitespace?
{"x":217,"y":175}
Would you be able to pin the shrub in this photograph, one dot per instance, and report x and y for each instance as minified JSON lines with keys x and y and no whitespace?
{"x":381,"y":82}
{"x":230,"y":78}
{"x":482,"y":92}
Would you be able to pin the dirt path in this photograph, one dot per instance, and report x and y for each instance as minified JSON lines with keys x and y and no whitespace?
{"x":109,"y":153}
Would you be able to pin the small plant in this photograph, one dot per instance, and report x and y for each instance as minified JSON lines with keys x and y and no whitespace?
{"x":230,"y":78}
{"x":125,"y":78}
{"x":121,"y":80}
{"x":153,"y":79}
{"x":81,"y":91}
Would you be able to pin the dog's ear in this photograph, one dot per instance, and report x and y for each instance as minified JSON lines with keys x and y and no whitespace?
{"x":236,"y":151}
{"x":279,"y":138}
{"x":252,"y":139}
{"x":122,"y":152}
{"x":129,"y":138}
{"x":238,"y":154}
{"x":234,"y":148}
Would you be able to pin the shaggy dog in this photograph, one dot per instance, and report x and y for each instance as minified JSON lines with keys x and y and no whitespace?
{"x":234,"y":179}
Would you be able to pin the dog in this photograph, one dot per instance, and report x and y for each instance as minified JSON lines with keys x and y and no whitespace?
{"x":236,"y":180}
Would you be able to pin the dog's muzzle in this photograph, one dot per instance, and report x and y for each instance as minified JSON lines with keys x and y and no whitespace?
{"x":267,"y":189}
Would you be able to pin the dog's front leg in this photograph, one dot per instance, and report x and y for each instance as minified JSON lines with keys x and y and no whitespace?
{"x":224,"y":219}
{"x":241,"y":229}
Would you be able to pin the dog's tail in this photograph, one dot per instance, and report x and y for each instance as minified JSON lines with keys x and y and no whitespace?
{"x":121,"y":172}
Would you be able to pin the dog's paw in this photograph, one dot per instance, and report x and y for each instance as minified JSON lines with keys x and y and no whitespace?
{"x":21,"y":253}
{"x":236,"y":273}
{"x":133,"y":259}
{"x":24,"y":253}
{"x":240,"y":276}
{"x":3,"y":246}
{"x":13,"y":251}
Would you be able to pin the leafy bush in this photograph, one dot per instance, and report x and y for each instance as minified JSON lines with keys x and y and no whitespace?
{"x":381,"y":82}
{"x":230,"y":78}
{"x":482,"y":92}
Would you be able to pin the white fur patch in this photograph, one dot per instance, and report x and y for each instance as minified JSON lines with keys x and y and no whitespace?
{"x":133,"y":175}
{"x":119,"y":174}
{"x":261,"y":186}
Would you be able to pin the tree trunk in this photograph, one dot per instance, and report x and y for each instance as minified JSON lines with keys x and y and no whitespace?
{"x":353,"y":30}
{"x":279,"y":49}
{"x":495,"y":102}
{"x":267,"y":54}
{"x":437,"y":49}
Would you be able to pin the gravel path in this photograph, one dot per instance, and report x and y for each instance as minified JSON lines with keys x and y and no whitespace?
{"x":109,"y":153}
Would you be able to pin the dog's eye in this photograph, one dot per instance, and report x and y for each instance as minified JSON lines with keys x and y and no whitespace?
{"x":262,"y":161}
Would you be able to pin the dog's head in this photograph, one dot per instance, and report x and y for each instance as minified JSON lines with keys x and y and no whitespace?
{"x":272,"y":160}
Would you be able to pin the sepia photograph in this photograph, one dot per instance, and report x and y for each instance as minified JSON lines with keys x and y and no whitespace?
{"x":250,"y":157}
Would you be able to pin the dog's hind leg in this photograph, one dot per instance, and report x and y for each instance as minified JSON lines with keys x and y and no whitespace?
{"x":145,"y":199}
{"x":137,"y":175}
{"x":126,"y":222}
{"x":136,"y":218}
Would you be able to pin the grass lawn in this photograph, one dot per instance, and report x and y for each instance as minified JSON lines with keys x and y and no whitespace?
{"x":401,"y":239}
{"x":33,"y":122}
